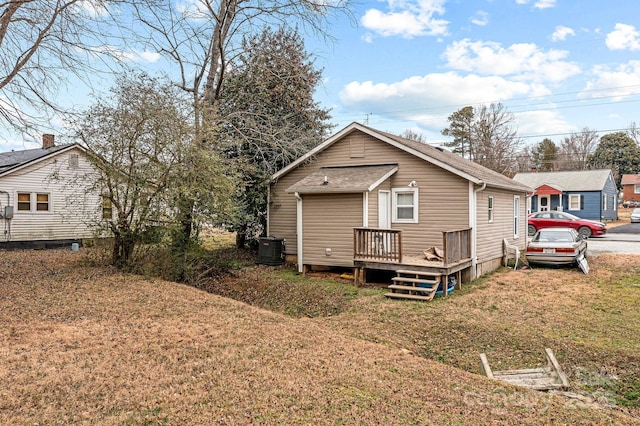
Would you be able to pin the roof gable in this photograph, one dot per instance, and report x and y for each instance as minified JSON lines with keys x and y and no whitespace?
{"x":575,"y":180}
{"x":453,"y":163}
{"x":16,"y":160}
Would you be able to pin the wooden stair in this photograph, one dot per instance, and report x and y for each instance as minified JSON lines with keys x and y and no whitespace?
{"x":414,"y":285}
{"x":543,"y":378}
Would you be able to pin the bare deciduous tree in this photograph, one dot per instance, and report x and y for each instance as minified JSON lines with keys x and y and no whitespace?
{"x":576,"y":149}
{"x":494,"y":139}
{"x":46,"y":44}
{"x":202,"y":38}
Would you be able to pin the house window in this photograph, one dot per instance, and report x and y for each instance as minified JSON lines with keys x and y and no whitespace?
{"x":636,"y":188}
{"x":24,"y":201}
{"x":405,"y":205}
{"x":574,"y":201}
{"x":34,"y":202}
{"x":516,"y":216}
{"x":42,"y":202}
{"x":107,"y":207}
{"x":490,"y":208}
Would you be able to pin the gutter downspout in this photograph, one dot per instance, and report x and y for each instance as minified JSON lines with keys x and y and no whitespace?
{"x":474,"y":228}
{"x":299,"y":234}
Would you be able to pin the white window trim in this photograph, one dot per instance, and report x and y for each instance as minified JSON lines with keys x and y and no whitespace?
{"x":33,"y":202}
{"x":636,"y":188}
{"x":604,"y":201}
{"x":394,"y":204}
{"x":516,"y":217}
{"x":490,"y":205}
{"x":573,"y":197}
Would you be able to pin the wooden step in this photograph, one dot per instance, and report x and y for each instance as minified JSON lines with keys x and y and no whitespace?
{"x":435,"y":281}
{"x":412,"y":288}
{"x":409,"y":272}
{"x":409,"y":296}
{"x":543,"y":378}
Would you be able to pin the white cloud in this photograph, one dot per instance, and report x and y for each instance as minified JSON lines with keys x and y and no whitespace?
{"x":623,"y":37}
{"x":618,"y":83}
{"x":540,"y":4}
{"x":543,"y":122}
{"x":430,"y":92}
{"x":93,"y":8}
{"x":130,"y":56}
{"x":524,"y":61}
{"x":407,"y":18}
{"x":480,"y":18}
{"x":544,"y":4}
{"x":561,"y":33}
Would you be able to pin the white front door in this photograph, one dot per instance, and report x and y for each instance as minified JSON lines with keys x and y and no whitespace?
{"x":544,"y":203}
{"x":384,"y":221}
{"x":384,"y":209}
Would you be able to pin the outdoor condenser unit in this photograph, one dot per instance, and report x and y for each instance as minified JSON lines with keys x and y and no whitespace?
{"x":271,"y":251}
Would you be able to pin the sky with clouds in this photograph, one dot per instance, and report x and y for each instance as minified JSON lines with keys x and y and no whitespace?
{"x":558,"y":65}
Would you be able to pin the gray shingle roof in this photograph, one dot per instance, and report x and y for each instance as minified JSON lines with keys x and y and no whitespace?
{"x":12,"y":159}
{"x":468,"y":167}
{"x":344,"y":179}
{"x":577,"y":180}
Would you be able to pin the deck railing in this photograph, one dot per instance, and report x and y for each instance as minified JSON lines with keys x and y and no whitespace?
{"x":456,"y":245}
{"x":385,"y":245}
{"x":382,"y":245}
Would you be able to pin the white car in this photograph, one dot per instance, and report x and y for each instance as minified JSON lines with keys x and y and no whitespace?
{"x":556,"y":246}
{"x":635,"y":215}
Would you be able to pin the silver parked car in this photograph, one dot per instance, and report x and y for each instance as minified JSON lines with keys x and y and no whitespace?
{"x":635,"y":215}
{"x":556,"y":246}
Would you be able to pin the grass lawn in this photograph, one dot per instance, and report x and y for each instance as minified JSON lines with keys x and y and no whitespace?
{"x":90,"y":345}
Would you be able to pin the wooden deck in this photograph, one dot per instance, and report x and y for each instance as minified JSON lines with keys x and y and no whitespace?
{"x":381,"y":249}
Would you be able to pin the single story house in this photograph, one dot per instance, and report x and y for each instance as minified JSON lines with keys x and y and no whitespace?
{"x":631,"y":188}
{"x":588,"y":194}
{"x":367,"y":199}
{"x":46,"y":196}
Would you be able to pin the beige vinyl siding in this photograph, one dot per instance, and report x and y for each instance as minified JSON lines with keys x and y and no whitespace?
{"x":328,"y":222}
{"x":74,"y":208}
{"x":443,"y":196}
{"x":490,"y":235}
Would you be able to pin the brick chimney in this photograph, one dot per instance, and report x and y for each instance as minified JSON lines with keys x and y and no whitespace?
{"x":48,"y":140}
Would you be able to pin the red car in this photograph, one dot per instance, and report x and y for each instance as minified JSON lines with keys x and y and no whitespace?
{"x":585,"y":227}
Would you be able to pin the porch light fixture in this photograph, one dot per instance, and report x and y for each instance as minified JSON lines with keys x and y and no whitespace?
{"x":412,"y":184}
{"x":326,"y":181}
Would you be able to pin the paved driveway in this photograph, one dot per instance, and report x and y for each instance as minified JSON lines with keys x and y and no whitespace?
{"x":613,"y":242}
{"x":629,"y":228}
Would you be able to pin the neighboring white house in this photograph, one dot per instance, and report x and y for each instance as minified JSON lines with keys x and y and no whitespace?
{"x":47,"y":197}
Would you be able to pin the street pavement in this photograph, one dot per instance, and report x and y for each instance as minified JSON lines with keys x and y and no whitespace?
{"x":613,"y":242}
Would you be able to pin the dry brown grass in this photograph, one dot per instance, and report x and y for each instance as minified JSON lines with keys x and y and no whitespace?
{"x":88,"y":345}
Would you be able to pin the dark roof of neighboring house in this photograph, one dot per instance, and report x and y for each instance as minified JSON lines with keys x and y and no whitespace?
{"x":630,"y":180}
{"x":452,"y":162}
{"x":576,"y":180}
{"x":14,"y":159}
{"x":344,"y":179}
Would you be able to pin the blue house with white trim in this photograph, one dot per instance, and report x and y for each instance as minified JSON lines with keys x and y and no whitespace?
{"x":588,"y":194}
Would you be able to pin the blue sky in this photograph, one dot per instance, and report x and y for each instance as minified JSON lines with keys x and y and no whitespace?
{"x":558,"y":65}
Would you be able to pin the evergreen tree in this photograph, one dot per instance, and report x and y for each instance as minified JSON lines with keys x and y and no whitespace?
{"x":270,"y":119}
{"x":618,"y":152}
{"x":460,"y":127}
{"x":545,"y":155}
